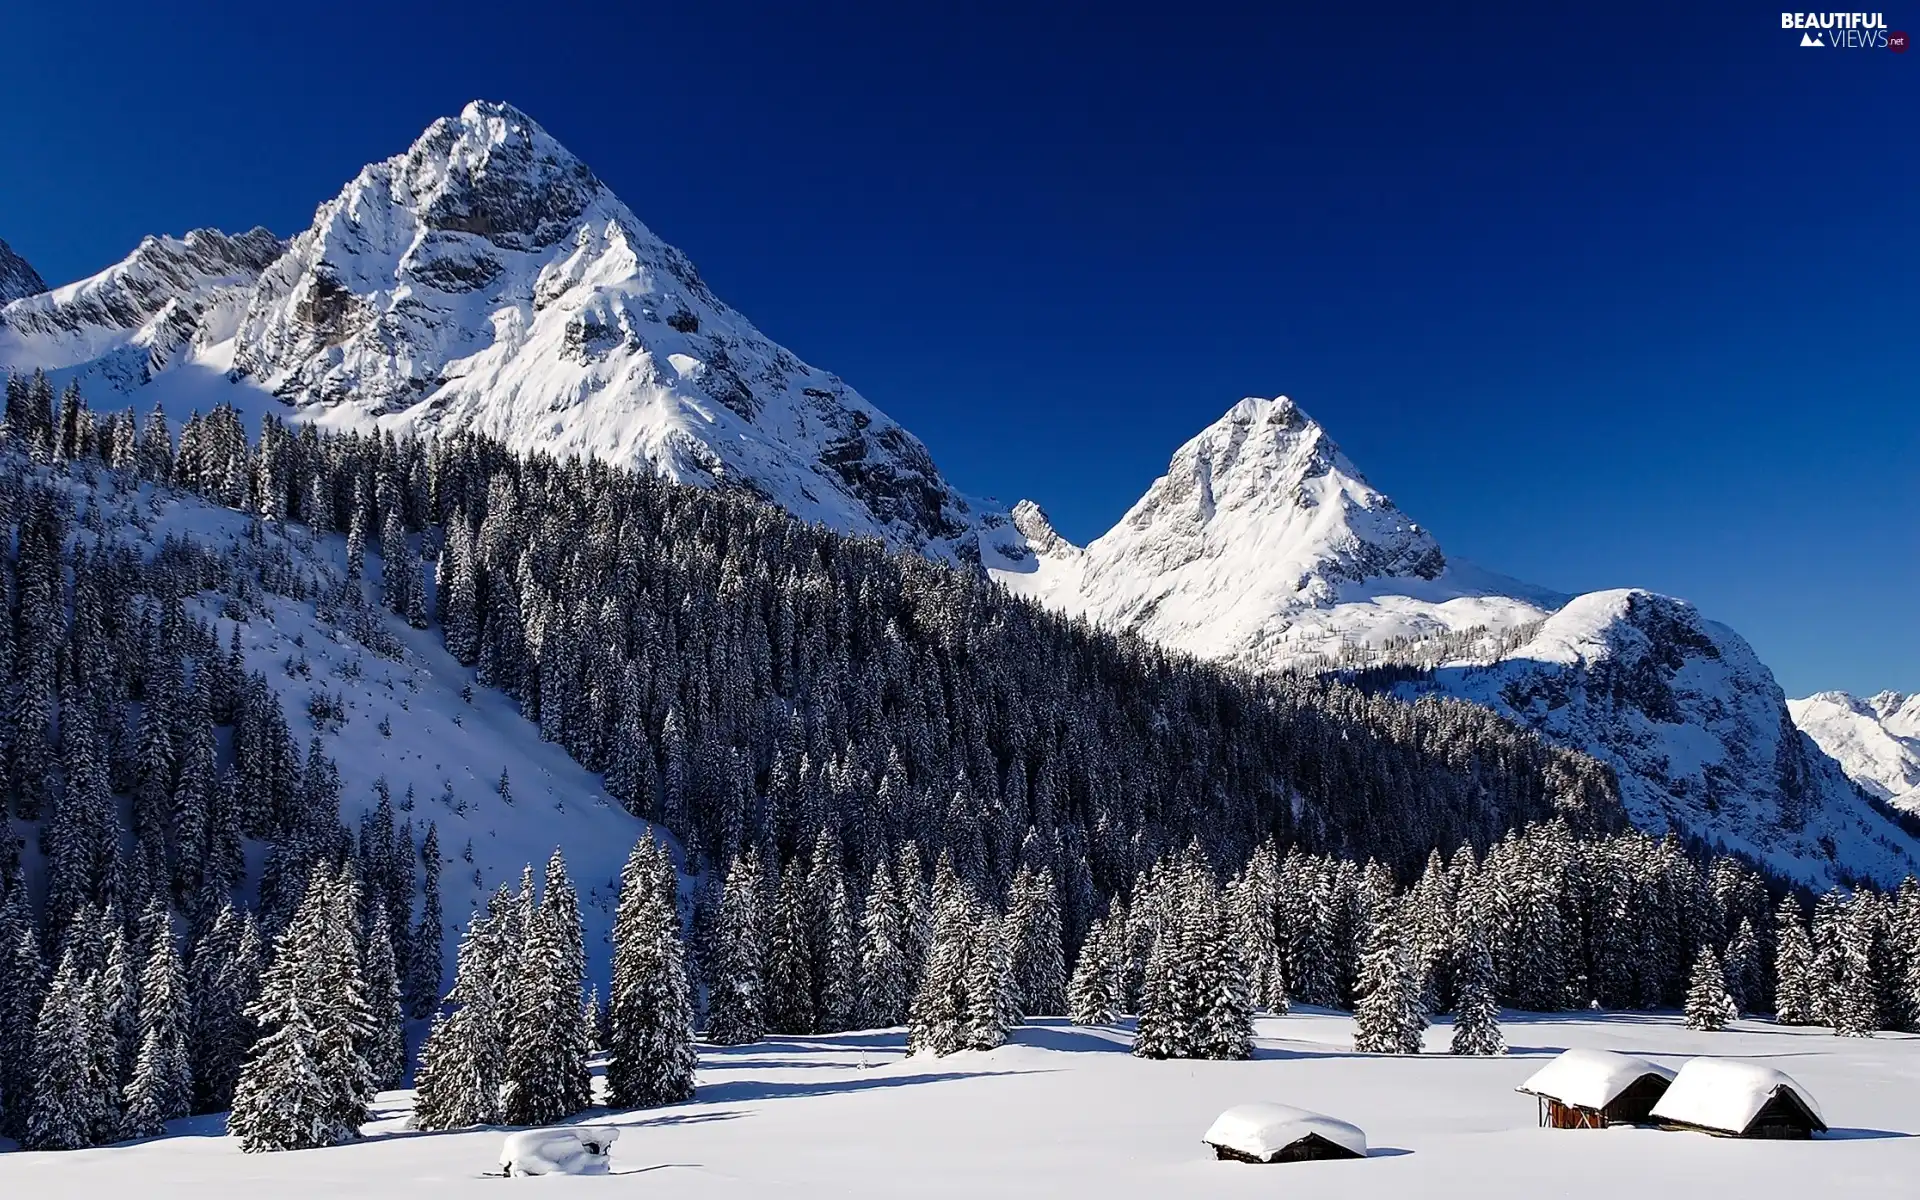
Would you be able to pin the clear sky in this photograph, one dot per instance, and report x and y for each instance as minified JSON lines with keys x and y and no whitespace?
{"x":1603,"y":295}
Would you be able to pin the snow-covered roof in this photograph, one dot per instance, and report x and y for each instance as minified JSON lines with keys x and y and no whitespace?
{"x":1727,"y":1094}
{"x":1263,"y":1130}
{"x":1590,"y":1078}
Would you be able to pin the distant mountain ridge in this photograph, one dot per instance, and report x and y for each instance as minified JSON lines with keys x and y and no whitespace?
{"x":1876,"y":740}
{"x":486,"y":279}
{"x":1264,"y":546}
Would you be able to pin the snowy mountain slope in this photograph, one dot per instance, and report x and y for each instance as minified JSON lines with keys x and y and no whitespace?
{"x":1264,"y":546}
{"x":1876,"y":740}
{"x":1695,"y":728}
{"x":17,"y":276}
{"x":116,"y":330}
{"x":487,"y":280}
{"x":405,"y":719}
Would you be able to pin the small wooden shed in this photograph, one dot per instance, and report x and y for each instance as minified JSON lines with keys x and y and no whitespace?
{"x":1278,"y":1133}
{"x":1730,"y":1098}
{"x":1592,"y":1089}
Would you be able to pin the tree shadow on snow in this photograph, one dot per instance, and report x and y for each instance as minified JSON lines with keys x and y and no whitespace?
{"x":737,"y":1090}
{"x":1387,"y":1152}
{"x":829,"y":1043}
{"x":1859,"y":1135}
{"x":1073,"y":1039}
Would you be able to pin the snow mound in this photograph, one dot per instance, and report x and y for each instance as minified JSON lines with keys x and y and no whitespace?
{"x":1726,"y":1094}
{"x":579,"y":1150}
{"x":1590,"y":1078}
{"x":1262,"y":1131}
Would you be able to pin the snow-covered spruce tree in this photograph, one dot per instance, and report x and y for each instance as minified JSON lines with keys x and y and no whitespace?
{"x":1742,"y":964}
{"x":1853,"y":1004}
{"x":1476,"y":1013}
{"x":1252,"y":904}
{"x":386,"y":1047}
{"x":227,"y":964}
{"x":546,"y":1070}
{"x":1090,"y":994}
{"x":937,"y":1021}
{"x":161,"y":1088}
{"x":424,"y":947}
{"x":1793,"y":1000}
{"x":990,"y":1009}
{"x":837,"y":965}
{"x":23,"y":990}
{"x":734,"y":987}
{"x":68,"y":1093}
{"x":789,"y":957}
{"x":457,"y":1083}
{"x":1905,"y":934}
{"x":650,"y":1052}
{"x":305,"y":1082}
{"x":1034,"y":941}
{"x":1709,"y":1005}
{"x":885,"y":953}
{"x":1388,"y":1018}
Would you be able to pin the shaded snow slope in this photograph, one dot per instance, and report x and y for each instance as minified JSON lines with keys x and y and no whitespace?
{"x":448,"y":750}
{"x":1067,"y":1112}
{"x":116,"y":330}
{"x":1264,"y":546}
{"x":1876,"y":740}
{"x":17,"y":276}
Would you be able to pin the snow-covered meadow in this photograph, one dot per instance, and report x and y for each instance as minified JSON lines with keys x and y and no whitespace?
{"x":1064,"y":1111}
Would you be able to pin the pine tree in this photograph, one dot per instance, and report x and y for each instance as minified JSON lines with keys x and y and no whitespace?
{"x":305,"y":1082}
{"x":386,"y":1050}
{"x":23,"y":992}
{"x":1709,"y":1005}
{"x":227,"y":964}
{"x":989,"y":987}
{"x":886,"y":966}
{"x":546,"y":1068}
{"x":1090,"y":995}
{"x":937,"y":1022}
{"x":161,"y":1088}
{"x":1476,"y":1013}
{"x":1793,"y":1002}
{"x":789,"y":996}
{"x":837,"y":962}
{"x":424,"y":947}
{"x":1388,"y":1018}
{"x":67,"y":1091}
{"x":735,"y":989}
{"x":459,"y":1077}
{"x":1853,"y":1007}
{"x":1034,"y":937}
{"x":650,"y":1054}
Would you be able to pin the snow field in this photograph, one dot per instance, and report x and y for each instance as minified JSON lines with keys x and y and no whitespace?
{"x":1064,"y":1111}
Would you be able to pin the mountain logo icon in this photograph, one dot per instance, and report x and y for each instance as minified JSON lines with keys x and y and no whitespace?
{"x":1811,"y":39}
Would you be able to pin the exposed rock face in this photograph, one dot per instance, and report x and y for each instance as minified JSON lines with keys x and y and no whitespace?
{"x":17,"y":276}
{"x":487,"y":280}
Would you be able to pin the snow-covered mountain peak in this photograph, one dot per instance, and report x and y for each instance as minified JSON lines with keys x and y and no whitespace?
{"x":486,"y":279}
{"x":118,"y":327}
{"x":17,"y":276}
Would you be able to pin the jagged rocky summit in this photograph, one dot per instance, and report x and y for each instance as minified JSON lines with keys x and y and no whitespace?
{"x":17,"y":276}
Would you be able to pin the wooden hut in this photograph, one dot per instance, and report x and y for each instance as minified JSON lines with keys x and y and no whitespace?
{"x":1278,"y":1133}
{"x":1730,"y":1098}
{"x":1592,"y":1089}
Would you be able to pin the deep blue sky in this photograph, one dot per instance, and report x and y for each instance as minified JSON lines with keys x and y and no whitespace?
{"x":1603,"y":297}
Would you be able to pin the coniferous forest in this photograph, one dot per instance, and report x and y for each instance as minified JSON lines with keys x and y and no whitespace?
{"x":897,"y":796}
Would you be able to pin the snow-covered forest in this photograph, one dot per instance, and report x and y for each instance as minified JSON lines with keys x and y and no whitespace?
{"x":892,"y":794}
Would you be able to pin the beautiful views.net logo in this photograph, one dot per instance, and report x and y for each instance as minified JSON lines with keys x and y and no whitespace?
{"x":1844,"y":31}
